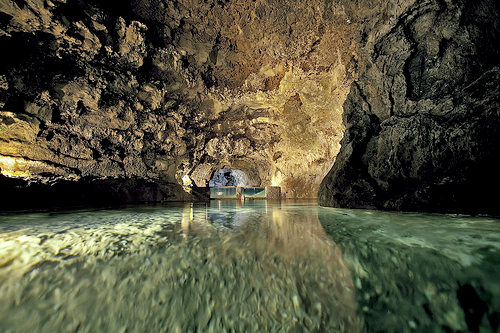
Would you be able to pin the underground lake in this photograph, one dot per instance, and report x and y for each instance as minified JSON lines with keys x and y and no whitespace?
{"x":150,"y":108}
{"x":247,"y":266}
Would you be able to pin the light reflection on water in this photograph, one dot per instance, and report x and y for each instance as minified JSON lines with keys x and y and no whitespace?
{"x":253,"y":266}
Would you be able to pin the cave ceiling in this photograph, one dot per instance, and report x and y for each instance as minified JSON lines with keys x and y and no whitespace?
{"x":388,"y":104}
{"x":164,"y":89}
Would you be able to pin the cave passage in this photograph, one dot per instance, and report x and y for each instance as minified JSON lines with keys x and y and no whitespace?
{"x":230,"y":177}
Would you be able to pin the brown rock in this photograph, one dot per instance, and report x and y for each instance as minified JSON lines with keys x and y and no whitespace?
{"x":165,"y":90}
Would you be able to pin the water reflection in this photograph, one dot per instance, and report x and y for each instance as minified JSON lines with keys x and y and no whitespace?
{"x":248,"y":266}
{"x":421,"y":272}
{"x":256,"y":266}
{"x":287,"y":243}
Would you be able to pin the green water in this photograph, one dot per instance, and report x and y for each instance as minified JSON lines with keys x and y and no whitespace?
{"x":253,"y":266}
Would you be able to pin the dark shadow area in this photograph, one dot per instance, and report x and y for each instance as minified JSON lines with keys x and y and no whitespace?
{"x":19,"y":194}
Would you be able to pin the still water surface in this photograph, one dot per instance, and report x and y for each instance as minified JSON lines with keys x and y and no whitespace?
{"x":257,"y":266}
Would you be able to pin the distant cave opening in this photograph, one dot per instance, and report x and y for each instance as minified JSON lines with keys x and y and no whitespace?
{"x":229,"y":177}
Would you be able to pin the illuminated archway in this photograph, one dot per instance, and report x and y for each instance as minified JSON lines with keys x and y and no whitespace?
{"x":230,"y":177}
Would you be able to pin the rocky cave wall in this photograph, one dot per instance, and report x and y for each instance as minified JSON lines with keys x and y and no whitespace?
{"x":145,"y":100}
{"x":166,"y":93}
{"x":423,"y":118}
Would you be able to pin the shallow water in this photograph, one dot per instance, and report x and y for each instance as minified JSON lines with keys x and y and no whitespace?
{"x":263,"y":266}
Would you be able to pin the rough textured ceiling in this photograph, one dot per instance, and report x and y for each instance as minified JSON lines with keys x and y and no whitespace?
{"x":164,"y":89}
{"x":157,"y":96}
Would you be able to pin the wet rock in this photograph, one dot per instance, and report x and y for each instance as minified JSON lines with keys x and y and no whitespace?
{"x":87,"y":191}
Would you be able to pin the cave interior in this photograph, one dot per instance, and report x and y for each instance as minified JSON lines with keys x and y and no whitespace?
{"x":389,"y":104}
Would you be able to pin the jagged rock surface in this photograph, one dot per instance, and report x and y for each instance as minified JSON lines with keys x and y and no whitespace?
{"x":423,"y":119}
{"x":173,"y":91}
{"x":170,"y":92}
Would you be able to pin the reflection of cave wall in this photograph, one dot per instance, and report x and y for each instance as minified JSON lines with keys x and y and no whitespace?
{"x":230,"y":177}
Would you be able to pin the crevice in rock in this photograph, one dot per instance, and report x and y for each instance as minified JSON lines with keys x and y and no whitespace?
{"x":391,"y":99}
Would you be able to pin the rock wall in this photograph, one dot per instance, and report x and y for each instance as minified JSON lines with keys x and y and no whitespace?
{"x":166,"y":93}
{"x":423,"y":118}
{"x":170,"y":92}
